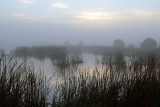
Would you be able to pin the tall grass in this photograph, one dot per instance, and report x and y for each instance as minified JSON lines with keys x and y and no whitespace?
{"x":21,"y":86}
{"x":136,"y":85}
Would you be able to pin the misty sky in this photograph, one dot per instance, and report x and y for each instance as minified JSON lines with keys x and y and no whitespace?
{"x":52,"y":22}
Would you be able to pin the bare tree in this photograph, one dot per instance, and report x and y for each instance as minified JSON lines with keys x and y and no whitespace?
{"x":131,"y":46}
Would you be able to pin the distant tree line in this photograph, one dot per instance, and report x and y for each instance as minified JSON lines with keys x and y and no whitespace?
{"x":40,"y":52}
{"x":148,"y":43}
{"x":148,"y":46}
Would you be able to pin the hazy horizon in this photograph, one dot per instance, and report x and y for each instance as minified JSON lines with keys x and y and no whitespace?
{"x":52,"y":22}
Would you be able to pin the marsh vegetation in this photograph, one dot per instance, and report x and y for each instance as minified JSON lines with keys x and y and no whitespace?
{"x":117,"y":78}
{"x":108,"y":85}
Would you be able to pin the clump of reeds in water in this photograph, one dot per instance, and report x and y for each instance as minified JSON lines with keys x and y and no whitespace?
{"x":21,"y":86}
{"x":136,"y":85}
{"x":67,"y":62}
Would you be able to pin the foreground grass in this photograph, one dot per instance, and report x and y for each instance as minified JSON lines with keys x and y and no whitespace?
{"x":134,"y":85}
{"x":20,"y":86}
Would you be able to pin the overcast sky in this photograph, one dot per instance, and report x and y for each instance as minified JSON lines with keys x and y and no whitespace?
{"x":99,"y":22}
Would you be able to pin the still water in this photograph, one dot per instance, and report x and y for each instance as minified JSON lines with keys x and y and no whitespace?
{"x":56,"y":74}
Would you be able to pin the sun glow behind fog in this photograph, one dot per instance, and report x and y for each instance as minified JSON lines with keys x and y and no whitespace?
{"x":116,"y":15}
{"x":65,"y":12}
{"x":112,"y":19}
{"x":27,"y":1}
{"x":77,"y":19}
{"x":59,"y":5}
{"x":95,"y":15}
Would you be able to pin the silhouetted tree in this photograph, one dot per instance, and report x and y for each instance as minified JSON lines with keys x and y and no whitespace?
{"x":118,"y":43}
{"x":81,"y":44}
{"x":131,"y":46}
{"x":149,"y":43}
{"x":66,"y":43}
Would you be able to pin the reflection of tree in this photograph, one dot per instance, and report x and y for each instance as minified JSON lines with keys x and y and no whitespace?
{"x":105,"y":58}
{"x":119,"y":60}
{"x":151,"y":59}
{"x":2,"y":53}
{"x":158,"y":53}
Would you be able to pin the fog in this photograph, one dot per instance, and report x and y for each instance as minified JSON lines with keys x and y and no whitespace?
{"x":20,"y":33}
{"x":76,"y":53}
{"x":29,"y":23}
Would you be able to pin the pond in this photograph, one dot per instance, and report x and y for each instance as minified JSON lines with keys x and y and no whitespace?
{"x":57,"y":73}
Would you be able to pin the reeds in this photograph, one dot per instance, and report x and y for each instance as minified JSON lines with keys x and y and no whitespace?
{"x":21,"y":86}
{"x":67,"y":62}
{"x":136,"y":85}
